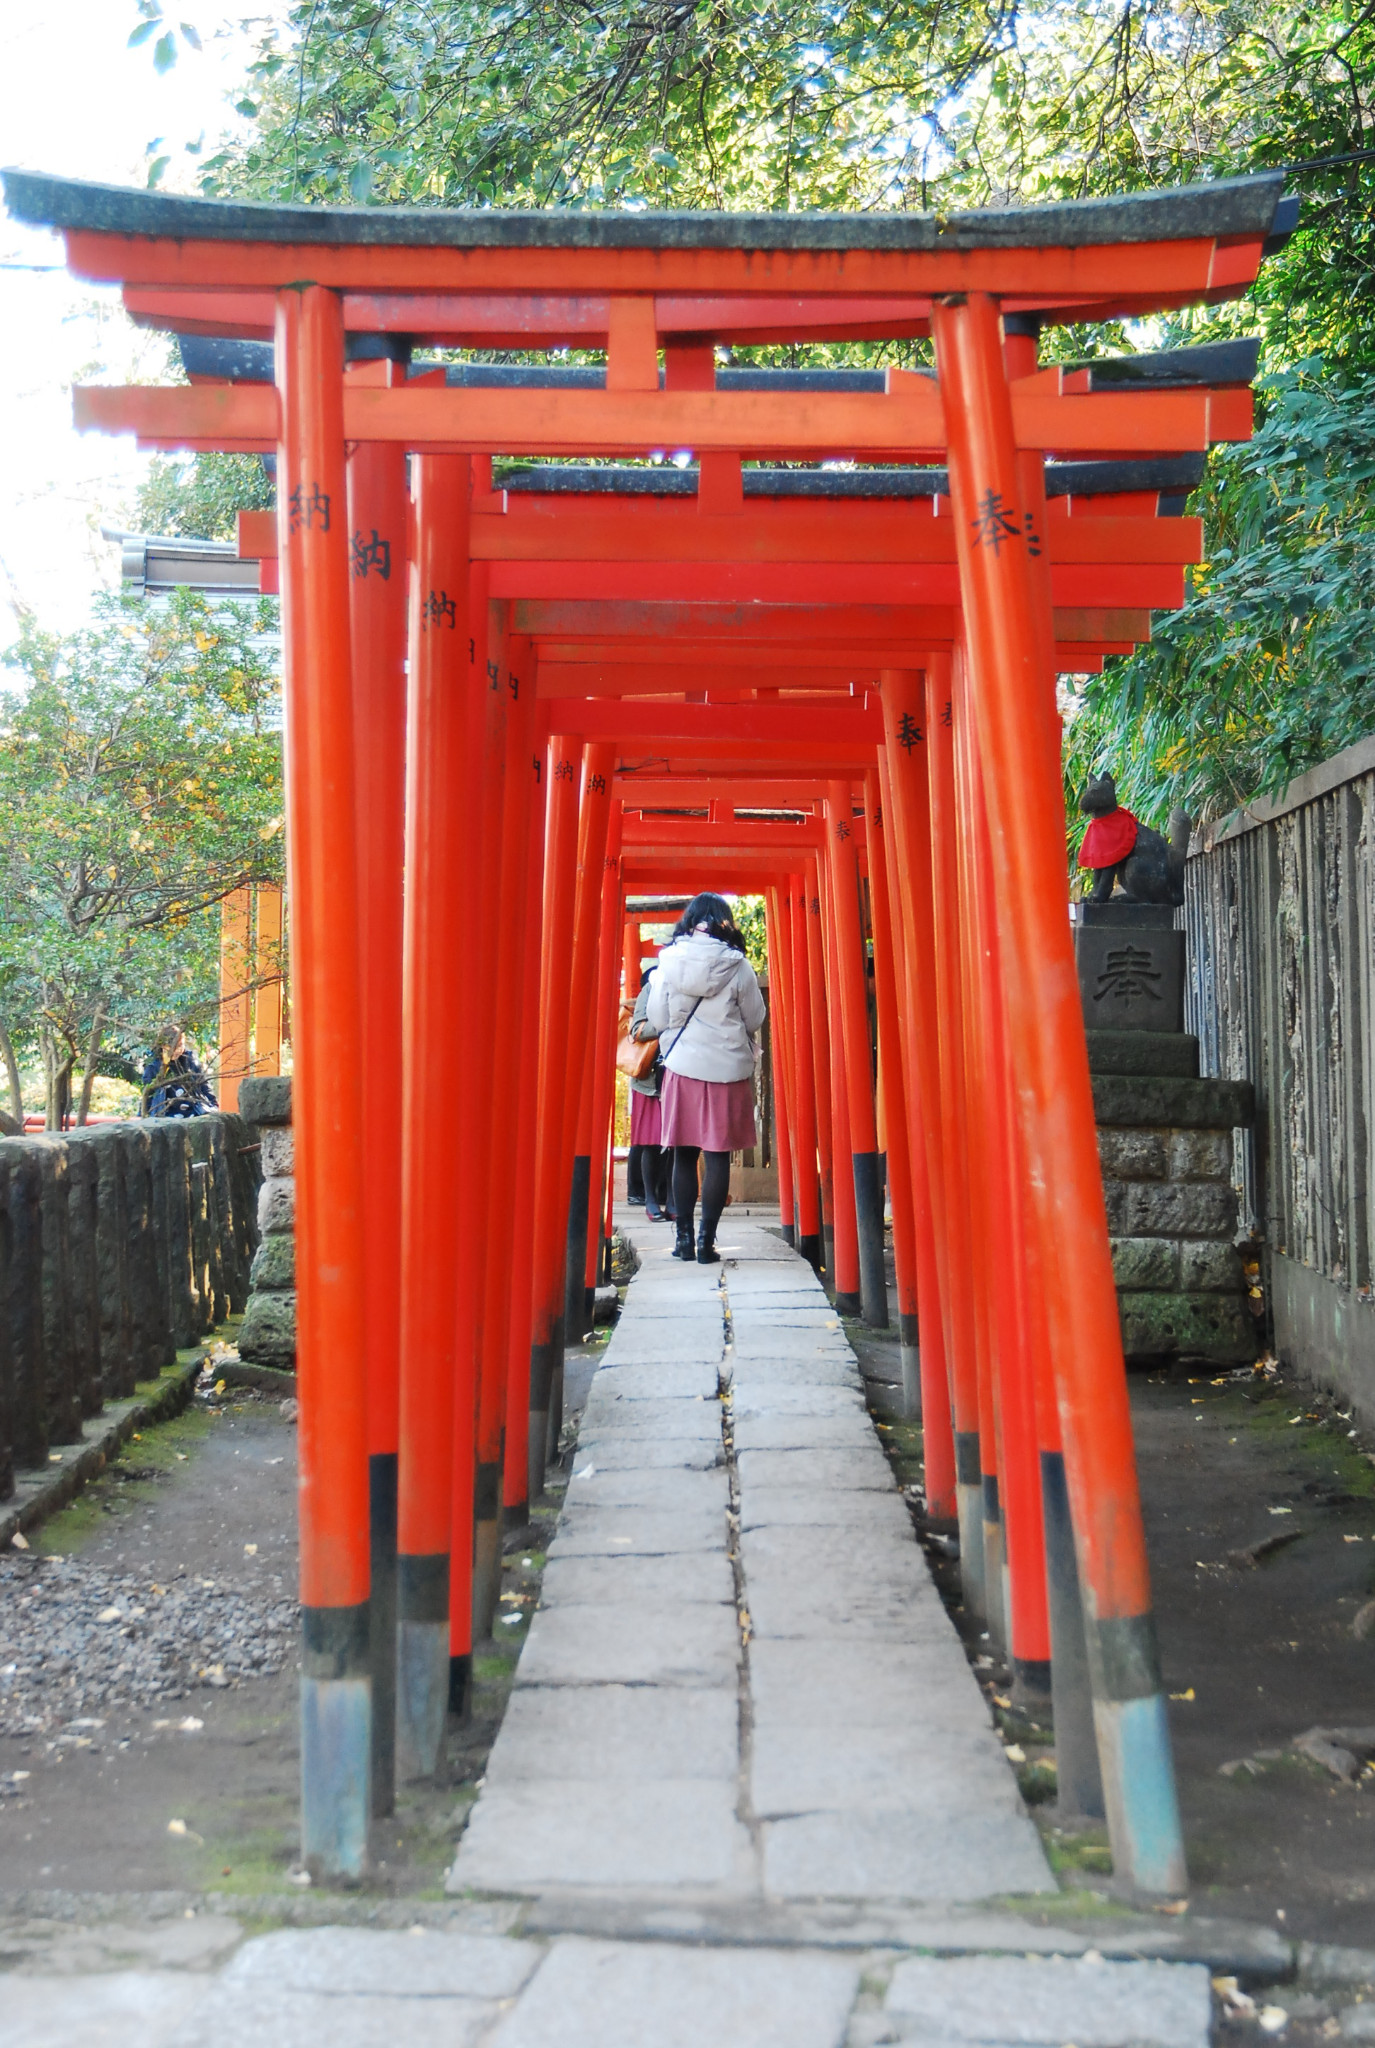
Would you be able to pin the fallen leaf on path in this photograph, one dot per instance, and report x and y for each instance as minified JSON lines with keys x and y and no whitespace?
{"x":1183,"y":1695}
{"x":19,"y":1541}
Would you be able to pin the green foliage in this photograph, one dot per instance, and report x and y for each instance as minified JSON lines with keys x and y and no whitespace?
{"x":199,"y":496}
{"x":749,"y":916}
{"x":846,"y":103}
{"x":743,"y":103}
{"x":1270,"y":666}
{"x":140,"y":783}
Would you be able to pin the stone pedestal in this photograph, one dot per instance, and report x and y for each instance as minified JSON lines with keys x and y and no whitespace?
{"x":1131,"y":966}
{"x":1164,"y":1142}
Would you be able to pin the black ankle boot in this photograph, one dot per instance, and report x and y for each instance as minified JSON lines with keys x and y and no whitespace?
{"x":683,"y":1247}
{"x":707,"y":1254}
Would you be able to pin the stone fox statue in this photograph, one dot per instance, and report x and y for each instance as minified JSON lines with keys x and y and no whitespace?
{"x":1118,"y":848}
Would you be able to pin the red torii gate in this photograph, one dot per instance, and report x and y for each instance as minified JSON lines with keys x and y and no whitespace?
{"x":977,"y":981}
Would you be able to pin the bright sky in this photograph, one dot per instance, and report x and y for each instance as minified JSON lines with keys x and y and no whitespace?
{"x":75,"y":99}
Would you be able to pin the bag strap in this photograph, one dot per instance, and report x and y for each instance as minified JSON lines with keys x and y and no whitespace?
{"x":682,"y":1027}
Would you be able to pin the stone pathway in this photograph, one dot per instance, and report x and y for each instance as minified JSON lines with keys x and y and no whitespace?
{"x":741,"y":1683}
{"x":746,"y":1791}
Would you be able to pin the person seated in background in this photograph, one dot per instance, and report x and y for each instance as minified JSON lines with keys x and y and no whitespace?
{"x":174,"y":1082}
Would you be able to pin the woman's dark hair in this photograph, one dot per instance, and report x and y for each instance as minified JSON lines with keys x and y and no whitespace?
{"x":714,"y":913}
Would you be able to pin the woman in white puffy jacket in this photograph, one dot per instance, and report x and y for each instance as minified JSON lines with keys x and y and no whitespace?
{"x":706,"y":1006}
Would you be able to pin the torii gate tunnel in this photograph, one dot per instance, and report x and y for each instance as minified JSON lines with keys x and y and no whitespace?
{"x":516,"y":701}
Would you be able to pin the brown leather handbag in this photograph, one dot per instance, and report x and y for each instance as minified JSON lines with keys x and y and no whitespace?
{"x":636,"y":1056}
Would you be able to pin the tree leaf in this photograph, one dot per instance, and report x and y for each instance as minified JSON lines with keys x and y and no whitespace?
{"x":164,"y":53}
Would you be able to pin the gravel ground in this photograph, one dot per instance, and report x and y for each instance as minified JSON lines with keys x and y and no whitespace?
{"x":80,"y":1642}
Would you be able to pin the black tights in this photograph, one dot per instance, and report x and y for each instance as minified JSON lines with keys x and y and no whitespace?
{"x":715,"y":1187}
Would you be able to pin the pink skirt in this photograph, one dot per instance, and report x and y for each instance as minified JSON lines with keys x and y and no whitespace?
{"x":646,"y":1118}
{"x":717,"y":1115}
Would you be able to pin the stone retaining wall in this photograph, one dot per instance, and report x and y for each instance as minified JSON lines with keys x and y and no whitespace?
{"x":119,"y":1245}
{"x":1166,"y":1149}
{"x":267,"y":1335}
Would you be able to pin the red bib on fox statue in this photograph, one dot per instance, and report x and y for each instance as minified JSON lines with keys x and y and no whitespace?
{"x":1108,"y":840}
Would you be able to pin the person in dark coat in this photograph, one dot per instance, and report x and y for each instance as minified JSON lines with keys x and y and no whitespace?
{"x":646,"y":1152}
{"x":174,"y":1082}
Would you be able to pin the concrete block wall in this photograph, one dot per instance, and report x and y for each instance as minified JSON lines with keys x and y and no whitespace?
{"x":267,"y":1335}
{"x":119,"y":1245}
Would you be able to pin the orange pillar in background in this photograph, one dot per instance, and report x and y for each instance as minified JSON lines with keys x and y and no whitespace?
{"x":271,"y":967}
{"x":562,"y":764}
{"x":604,"y":1052}
{"x":436,"y":1378}
{"x":1047,"y":1047}
{"x":852,"y":992}
{"x":805,"y":1154}
{"x":779,"y":1041}
{"x":331,"y":1369}
{"x":909,"y":806}
{"x":918,"y":1069}
{"x":236,"y":993}
{"x":526,"y":1039}
{"x":894,"y":1097}
{"x":983,"y":1131}
{"x":812,"y":964}
{"x":378,"y":519}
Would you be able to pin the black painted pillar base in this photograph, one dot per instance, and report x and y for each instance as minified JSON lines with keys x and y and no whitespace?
{"x":969,"y":1505}
{"x":847,"y":1304}
{"x":576,"y":1267}
{"x":910,"y":1350}
{"x":486,"y":1548}
{"x":382,"y":1628}
{"x":809,"y":1248}
{"x":828,"y":1253}
{"x":873,"y":1281}
{"x":336,"y":1739}
{"x":422,"y":1664}
{"x":790,"y":1234}
{"x":1031,"y":1689}
{"x":995,"y":1563}
{"x":546,"y":1362}
{"x":460,"y":1687}
{"x":1078,"y":1778}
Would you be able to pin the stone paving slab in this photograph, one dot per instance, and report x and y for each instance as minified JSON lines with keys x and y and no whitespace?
{"x":860,"y":1466}
{"x":637,"y":1451}
{"x":694,"y":1644}
{"x":637,"y":1532}
{"x":772,"y":1429}
{"x":673,"y":1490}
{"x":1043,"y":2004}
{"x":115,"y":2009}
{"x":810,"y":1368}
{"x":838,"y":1606}
{"x":653,"y":1995}
{"x":863,"y":1514}
{"x":617,"y":1732}
{"x":668,"y":1832}
{"x":623,"y":1381}
{"x":752,"y":1398}
{"x":892,"y":1853}
{"x":637,"y":1582}
{"x":799,"y":1770}
{"x":260,"y":2016}
{"x":817,"y":1684}
{"x":428,"y":1963}
{"x":691,"y":1420}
